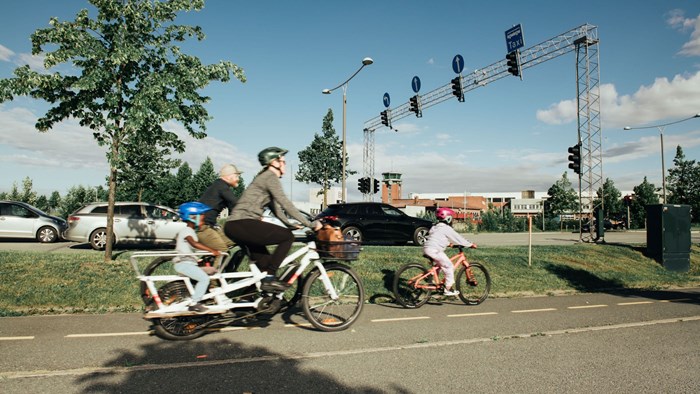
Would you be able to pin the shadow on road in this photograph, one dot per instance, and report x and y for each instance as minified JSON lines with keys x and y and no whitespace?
{"x":213,"y":366}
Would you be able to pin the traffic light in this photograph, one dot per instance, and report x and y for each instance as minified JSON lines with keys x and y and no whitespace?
{"x":385,"y":118}
{"x":575,"y":158}
{"x":513,"y":62}
{"x":414,"y":106}
{"x":457,"y":89}
{"x":376,"y":186}
{"x":363,"y":185}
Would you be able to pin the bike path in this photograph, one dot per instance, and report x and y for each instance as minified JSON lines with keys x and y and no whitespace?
{"x":75,"y":342}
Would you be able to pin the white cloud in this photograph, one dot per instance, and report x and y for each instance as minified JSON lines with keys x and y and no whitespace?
{"x":677,"y":98}
{"x":35,"y":62}
{"x":678,"y":21}
{"x":5,"y":53}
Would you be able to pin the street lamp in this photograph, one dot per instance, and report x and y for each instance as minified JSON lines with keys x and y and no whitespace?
{"x":661,"y":128}
{"x":365,"y":62}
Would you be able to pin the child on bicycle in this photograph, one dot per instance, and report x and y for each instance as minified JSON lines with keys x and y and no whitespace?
{"x":192,"y":213}
{"x":439,"y":238}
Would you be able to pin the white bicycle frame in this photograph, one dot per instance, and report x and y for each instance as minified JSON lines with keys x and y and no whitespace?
{"x":239,"y":280}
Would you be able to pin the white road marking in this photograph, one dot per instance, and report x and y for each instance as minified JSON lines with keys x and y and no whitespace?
{"x":108,"y":334}
{"x":635,"y":303}
{"x":15,"y":338}
{"x":474,"y":314}
{"x":535,"y":310}
{"x":400,"y":319}
{"x":587,"y":306}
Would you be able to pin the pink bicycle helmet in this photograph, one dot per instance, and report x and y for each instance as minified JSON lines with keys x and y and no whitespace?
{"x":445,"y":215}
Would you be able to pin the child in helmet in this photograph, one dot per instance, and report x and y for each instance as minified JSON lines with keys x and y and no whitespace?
{"x":192,"y":213}
{"x":439,"y":238}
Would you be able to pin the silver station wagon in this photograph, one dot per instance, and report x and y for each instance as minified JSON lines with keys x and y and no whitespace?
{"x":134,"y":222}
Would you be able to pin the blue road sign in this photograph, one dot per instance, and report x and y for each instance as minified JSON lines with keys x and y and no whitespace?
{"x":415,"y":83}
{"x":514,"y":38}
{"x":387,"y":100}
{"x":458,"y":64}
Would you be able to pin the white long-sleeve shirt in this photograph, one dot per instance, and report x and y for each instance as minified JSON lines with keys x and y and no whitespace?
{"x":442,"y":235}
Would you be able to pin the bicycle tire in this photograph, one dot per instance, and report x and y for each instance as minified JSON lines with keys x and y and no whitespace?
{"x":178,"y":327}
{"x":404,"y":292}
{"x":473,"y":293}
{"x":325,"y":313}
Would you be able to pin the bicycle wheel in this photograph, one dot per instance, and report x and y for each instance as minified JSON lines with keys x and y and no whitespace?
{"x":159,"y":266}
{"x":325,"y":313}
{"x":178,"y":327}
{"x":476,"y":292}
{"x":405,"y":291}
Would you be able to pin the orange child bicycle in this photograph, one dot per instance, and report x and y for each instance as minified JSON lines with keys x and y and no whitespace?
{"x":414,"y":283}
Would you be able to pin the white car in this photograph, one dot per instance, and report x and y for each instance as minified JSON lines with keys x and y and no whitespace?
{"x":134,"y":222}
{"x":21,"y":220}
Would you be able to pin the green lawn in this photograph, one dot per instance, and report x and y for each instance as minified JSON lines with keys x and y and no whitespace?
{"x":44,"y":283}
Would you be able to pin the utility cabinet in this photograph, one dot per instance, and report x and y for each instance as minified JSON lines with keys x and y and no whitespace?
{"x":668,"y":235}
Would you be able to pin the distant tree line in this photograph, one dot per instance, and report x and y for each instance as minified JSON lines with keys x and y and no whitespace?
{"x":170,"y":189}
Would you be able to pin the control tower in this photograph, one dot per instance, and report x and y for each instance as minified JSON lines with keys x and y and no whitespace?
{"x":391,"y":187}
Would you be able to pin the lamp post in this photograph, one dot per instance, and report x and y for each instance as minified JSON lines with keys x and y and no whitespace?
{"x":365,"y":62}
{"x":661,"y":128}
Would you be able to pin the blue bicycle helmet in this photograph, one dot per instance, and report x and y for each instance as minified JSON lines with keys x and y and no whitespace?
{"x":192,"y":208}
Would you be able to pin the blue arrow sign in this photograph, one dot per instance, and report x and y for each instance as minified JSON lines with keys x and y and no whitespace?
{"x":458,"y":64}
{"x":387,"y":100}
{"x":514,"y":38}
{"x":415,"y":83}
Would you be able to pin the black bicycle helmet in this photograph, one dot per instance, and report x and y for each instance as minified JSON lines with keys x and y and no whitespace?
{"x":269,"y":154}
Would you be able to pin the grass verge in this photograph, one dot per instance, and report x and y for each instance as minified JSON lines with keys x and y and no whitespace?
{"x":80,"y":282}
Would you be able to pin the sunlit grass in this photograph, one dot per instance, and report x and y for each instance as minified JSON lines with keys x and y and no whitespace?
{"x":40,"y":282}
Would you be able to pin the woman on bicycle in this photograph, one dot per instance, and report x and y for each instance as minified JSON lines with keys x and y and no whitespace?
{"x":439,"y":238}
{"x":245,"y":225}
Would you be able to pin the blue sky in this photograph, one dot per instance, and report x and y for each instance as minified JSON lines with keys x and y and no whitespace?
{"x":511,"y":135}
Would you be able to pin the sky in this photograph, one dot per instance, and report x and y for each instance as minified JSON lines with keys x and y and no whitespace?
{"x":508,"y":136}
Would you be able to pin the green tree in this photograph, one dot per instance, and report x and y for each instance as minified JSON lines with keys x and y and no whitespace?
{"x":141,"y":168}
{"x":612,"y":202}
{"x":683,"y":183}
{"x":28,"y":194}
{"x":644,"y":194}
{"x":563,"y":199}
{"x":322,"y":162}
{"x":54,"y":201}
{"x":42,"y":203}
{"x":76,"y":197}
{"x":203,"y":177}
{"x":128,"y":77}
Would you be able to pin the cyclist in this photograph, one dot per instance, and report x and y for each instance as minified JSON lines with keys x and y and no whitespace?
{"x":218,"y":196}
{"x":192,"y":213}
{"x":245,"y":225}
{"x":439,"y":238}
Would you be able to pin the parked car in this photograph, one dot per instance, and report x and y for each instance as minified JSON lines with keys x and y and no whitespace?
{"x":299,"y":234}
{"x":134,"y":222}
{"x":608,"y":224}
{"x":376,"y":222}
{"x":21,"y":220}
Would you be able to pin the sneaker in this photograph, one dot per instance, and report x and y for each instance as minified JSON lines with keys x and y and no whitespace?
{"x":198,"y":308}
{"x":272,"y":284}
{"x":450,"y":293}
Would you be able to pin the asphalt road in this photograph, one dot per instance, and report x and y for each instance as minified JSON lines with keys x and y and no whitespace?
{"x":636,"y":342}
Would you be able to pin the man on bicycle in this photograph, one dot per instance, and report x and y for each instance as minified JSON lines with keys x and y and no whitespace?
{"x":218,"y":196}
{"x":439,"y":238}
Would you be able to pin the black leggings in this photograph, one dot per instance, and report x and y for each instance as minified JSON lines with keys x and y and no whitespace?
{"x":257,"y":235}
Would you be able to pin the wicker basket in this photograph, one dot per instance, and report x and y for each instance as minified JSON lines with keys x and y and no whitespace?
{"x":338,"y":250}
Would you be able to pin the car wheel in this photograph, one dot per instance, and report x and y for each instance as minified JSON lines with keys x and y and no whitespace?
{"x":47,"y":235}
{"x":420,"y":235}
{"x":352,"y":233}
{"x":98,"y":239}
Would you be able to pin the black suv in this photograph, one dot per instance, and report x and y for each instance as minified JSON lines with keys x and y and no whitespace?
{"x":376,"y":222}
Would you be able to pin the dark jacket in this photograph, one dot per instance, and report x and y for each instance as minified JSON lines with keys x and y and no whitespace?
{"x":218,"y":196}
